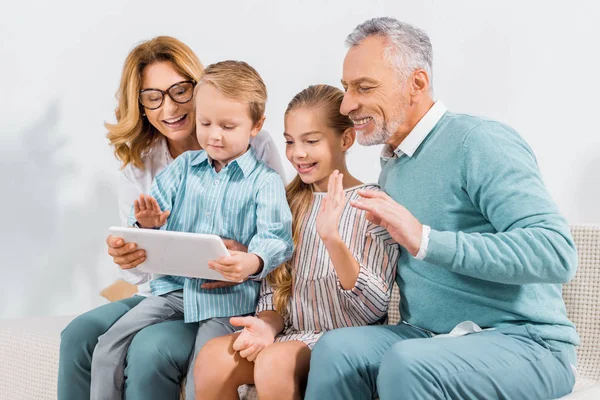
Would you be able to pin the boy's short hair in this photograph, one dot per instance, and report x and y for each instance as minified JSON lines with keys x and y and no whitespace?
{"x":238,"y":81}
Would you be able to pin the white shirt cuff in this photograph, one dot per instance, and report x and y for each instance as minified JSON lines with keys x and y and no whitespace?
{"x":424,"y":243}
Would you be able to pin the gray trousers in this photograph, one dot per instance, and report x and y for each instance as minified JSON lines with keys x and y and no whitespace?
{"x":108,"y":359}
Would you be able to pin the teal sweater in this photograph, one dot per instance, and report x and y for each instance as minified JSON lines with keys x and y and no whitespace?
{"x":499,"y":249}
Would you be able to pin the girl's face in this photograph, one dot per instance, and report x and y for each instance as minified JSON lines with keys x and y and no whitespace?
{"x":314,"y":149}
{"x":174,"y":120}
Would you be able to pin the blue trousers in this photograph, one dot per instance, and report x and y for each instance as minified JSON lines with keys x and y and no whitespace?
{"x":157,"y":359}
{"x":405,"y":362}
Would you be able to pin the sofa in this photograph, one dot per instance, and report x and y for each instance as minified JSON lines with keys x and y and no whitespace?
{"x":29,"y":347}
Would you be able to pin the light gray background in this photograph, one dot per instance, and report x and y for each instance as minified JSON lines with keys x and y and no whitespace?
{"x":531,"y":64}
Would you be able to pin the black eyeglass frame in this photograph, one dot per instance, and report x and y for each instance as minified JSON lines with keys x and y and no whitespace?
{"x":166,"y":93}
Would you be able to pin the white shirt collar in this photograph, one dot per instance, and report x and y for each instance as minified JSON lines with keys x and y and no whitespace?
{"x":411,"y":143}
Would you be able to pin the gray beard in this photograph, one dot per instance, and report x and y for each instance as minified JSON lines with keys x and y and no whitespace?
{"x":379,"y":136}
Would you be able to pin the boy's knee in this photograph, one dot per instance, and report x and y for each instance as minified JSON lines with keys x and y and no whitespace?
{"x":147,"y":349}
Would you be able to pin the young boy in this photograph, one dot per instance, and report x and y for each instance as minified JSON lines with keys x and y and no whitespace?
{"x":222,"y":190}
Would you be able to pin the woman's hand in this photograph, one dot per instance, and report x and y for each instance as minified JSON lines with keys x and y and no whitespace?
{"x":332,"y":205}
{"x":255,"y":336}
{"x":125,"y":255}
{"x":147,"y":212}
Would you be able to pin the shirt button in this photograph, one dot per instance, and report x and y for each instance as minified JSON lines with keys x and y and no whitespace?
{"x":208,"y":214}
{"x":217,"y":182}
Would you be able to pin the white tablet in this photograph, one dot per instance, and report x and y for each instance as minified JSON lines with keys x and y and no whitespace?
{"x":175,"y":253}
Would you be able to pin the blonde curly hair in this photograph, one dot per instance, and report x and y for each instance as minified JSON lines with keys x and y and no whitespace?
{"x":133,"y":135}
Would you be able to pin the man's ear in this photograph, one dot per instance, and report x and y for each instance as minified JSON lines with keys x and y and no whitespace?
{"x":348,"y":138}
{"x":419,"y":84}
{"x":258,"y":126}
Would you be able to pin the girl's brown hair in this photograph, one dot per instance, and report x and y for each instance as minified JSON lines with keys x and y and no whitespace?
{"x":133,"y":135}
{"x":327,"y":99}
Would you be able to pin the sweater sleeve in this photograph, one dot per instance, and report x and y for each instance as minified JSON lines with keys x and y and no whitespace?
{"x":532,"y":242}
{"x":370,"y":296}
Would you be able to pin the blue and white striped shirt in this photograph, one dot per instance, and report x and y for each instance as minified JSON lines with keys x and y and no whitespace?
{"x":245,"y":202}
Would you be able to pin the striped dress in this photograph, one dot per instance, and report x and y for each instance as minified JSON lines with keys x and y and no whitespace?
{"x":319,"y":303}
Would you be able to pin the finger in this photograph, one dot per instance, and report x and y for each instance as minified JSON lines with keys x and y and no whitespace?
{"x":234,"y":246}
{"x":248,"y":351}
{"x":243,"y":321}
{"x":163,"y":217}
{"x":228,"y":272}
{"x":339,"y":189}
{"x":123,"y":250}
{"x":228,"y":260}
{"x":372,"y":218}
{"x":372,"y":194}
{"x":241,"y":343}
{"x":114,"y":241}
{"x":129,"y":258}
{"x":133,"y":264}
{"x":331,"y":183}
{"x":142,"y":203}
{"x":155,"y":205}
{"x":148,"y":201}
{"x":136,"y":206}
{"x":253,"y":356}
{"x":323,"y":205}
{"x":364,"y":204}
{"x":217,"y":285}
{"x":233,"y":277}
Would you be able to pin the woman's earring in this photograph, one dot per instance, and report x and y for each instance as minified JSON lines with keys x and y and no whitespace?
{"x":143,"y":114}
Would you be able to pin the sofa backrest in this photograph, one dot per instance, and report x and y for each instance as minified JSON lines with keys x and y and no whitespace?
{"x":581,"y":295}
{"x":582,"y":298}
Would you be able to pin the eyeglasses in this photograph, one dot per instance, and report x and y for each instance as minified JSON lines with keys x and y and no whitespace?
{"x":180,"y":92}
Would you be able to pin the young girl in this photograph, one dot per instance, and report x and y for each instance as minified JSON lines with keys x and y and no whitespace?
{"x":340,"y":275}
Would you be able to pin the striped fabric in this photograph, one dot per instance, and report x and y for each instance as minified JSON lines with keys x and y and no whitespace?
{"x":245,"y":202}
{"x":318,"y":302}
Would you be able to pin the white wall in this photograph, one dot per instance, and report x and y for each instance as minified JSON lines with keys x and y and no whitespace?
{"x":533,"y":65}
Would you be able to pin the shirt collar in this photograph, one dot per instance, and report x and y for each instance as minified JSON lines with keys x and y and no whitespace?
{"x":246,"y":162}
{"x":411,"y":143}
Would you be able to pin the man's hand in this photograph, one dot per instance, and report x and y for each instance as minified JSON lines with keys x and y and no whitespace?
{"x":237,"y":266}
{"x":398,"y":221}
{"x":147,"y":212}
{"x":255,"y":336}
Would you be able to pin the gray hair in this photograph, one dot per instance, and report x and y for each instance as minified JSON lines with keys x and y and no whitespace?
{"x":410,"y":47}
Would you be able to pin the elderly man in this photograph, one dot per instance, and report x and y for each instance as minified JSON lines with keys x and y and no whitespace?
{"x":485,"y":249}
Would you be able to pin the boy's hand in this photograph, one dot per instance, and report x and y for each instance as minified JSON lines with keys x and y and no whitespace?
{"x":147,"y":212}
{"x":237,"y":266}
{"x":231,"y":245}
{"x":255,"y":336}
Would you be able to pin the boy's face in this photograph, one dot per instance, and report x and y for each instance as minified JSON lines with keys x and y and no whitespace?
{"x":223,"y":125}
